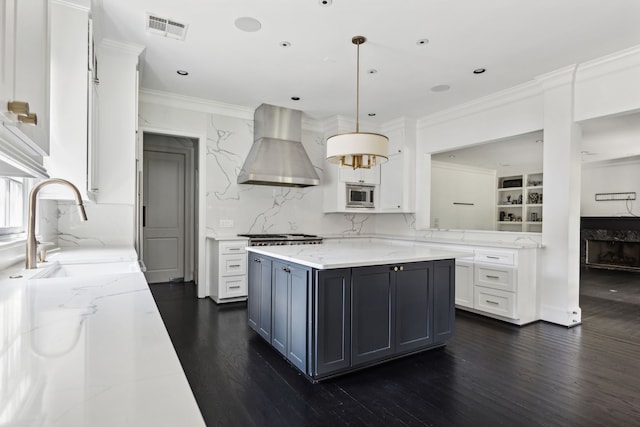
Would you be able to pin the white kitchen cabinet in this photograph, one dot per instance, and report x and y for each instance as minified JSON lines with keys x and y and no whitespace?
{"x":505,"y":284}
{"x":24,"y":72}
{"x":227,"y":270}
{"x":397,"y":175}
{"x":360,"y":176}
{"x":73,"y":93}
{"x":464,"y":283}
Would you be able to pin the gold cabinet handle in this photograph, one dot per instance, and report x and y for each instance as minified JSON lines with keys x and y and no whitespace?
{"x":18,"y":107}
{"x":30,"y":119}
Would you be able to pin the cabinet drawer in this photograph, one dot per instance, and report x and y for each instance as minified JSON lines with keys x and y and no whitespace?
{"x":233,"y":265}
{"x":502,"y":278}
{"x":233,"y":286}
{"x":238,"y":247}
{"x":494,"y":301}
{"x":504,"y":258}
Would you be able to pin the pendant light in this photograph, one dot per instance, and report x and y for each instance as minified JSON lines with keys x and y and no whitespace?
{"x":357,"y":149}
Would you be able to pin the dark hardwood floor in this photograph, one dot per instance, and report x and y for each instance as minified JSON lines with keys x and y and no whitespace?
{"x":490,"y":374}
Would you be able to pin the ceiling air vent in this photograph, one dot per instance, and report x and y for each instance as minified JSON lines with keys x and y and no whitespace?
{"x":166,"y":27}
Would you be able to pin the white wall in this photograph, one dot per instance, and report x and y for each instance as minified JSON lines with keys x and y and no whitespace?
{"x":610,"y":177}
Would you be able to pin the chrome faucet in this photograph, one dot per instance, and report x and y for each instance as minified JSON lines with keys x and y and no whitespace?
{"x":32,"y":243}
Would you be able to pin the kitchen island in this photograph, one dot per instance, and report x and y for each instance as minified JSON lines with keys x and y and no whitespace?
{"x":333,"y":308}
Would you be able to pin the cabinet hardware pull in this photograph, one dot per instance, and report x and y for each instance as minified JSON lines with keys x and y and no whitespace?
{"x":29,"y":119}
{"x":286,"y":269}
{"x":18,"y":107}
{"x":492,"y":277}
{"x":464,"y":204}
{"x":234,"y":265}
{"x":493,"y":257}
{"x":257,"y":260}
{"x":491,"y":302}
{"x":401,"y":267}
{"x":395,"y":268}
{"x":234,"y":287}
{"x":234,"y":249}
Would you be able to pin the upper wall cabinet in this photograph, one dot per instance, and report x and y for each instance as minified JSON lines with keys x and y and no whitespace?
{"x":397,"y":175}
{"x":72,"y":99}
{"x":24,"y":73}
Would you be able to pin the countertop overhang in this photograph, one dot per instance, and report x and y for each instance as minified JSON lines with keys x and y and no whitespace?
{"x":328,"y":256}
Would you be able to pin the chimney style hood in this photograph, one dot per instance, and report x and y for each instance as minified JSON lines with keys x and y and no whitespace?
{"x":277,"y":156}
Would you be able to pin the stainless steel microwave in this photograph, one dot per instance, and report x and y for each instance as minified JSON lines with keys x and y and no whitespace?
{"x":360,"y":195}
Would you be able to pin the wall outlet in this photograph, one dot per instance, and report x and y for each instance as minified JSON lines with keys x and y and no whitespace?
{"x":226,"y":223}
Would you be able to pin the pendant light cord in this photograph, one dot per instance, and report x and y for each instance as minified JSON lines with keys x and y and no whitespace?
{"x":358,"y":88}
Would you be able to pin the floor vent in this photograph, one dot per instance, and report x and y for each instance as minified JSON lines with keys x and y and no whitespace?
{"x":166,"y":27}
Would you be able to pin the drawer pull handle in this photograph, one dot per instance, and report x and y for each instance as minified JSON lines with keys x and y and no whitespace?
{"x":493,"y":257}
{"x":492,"y":277}
{"x":286,"y":269}
{"x":491,"y":302}
{"x":234,"y":249}
{"x":234,"y":287}
{"x":234,"y":266}
{"x":257,"y":260}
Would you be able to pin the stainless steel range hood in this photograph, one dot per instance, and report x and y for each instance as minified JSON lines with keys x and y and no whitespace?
{"x":277,"y":156}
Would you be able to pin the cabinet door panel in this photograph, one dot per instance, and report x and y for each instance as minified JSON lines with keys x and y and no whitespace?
{"x":297,"y":337}
{"x":254,"y":291}
{"x":279,"y":302}
{"x":264,"y":325}
{"x":332,"y":316}
{"x":413,"y":314}
{"x":371,"y":323}
{"x":464,"y":284}
{"x":443,"y":300}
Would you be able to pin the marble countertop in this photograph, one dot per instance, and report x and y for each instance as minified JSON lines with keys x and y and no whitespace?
{"x":89,"y":350}
{"x":355,"y":254}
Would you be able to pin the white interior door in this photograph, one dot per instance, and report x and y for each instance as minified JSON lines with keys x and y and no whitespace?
{"x":163,"y":216}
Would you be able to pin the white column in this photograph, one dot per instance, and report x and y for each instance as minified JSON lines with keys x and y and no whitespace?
{"x":559,"y":265}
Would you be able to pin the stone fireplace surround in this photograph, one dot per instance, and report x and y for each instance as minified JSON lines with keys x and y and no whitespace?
{"x":609,"y":229}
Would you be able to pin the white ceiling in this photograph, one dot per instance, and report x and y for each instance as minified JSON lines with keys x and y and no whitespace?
{"x":514,"y":40}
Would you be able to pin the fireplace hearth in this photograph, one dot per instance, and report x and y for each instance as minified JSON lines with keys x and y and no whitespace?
{"x":610,"y":242}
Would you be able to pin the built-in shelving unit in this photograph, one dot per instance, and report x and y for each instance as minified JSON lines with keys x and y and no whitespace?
{"x":519,"y":201}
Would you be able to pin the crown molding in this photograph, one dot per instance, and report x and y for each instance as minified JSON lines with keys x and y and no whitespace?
{"x":497,"y":99}
{"x":560,"y":77}
{"x":167,"y":99}
{"x":132,"y":48}
{"x":617,"y":61}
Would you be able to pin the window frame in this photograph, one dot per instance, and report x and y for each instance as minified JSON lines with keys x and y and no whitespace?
{"x":10,"y":233}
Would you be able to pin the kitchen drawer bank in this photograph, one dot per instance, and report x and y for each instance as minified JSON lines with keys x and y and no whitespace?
{"x":330,"y":319}
{"x":226,"y":270}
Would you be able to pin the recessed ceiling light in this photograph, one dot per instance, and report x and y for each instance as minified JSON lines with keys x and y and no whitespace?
{"x":372,"y":114}
{"x":295,"y":98}
{"x":248,"y":24}
{"x":440,"y":88}
{"x":183,"y":72}
{"x":479,"y":70}
{"x":285,"y":44}
{"x":372,"y":71}
{"x":422,"y":42}
{"x":325,"y":2}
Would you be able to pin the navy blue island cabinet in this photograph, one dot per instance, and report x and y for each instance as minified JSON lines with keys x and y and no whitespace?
{"x":330,"y":322}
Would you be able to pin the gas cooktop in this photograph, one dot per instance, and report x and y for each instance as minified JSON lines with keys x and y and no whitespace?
{"x":282,"y":239}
